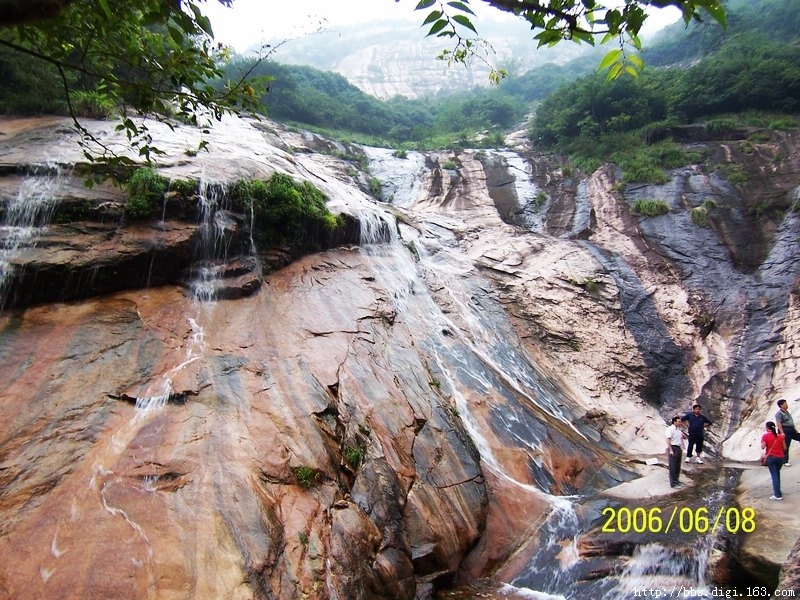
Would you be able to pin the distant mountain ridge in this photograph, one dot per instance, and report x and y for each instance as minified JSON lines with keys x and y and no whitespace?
{"x":386,"y":58}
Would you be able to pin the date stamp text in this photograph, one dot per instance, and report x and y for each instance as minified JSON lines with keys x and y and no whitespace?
{"x":683,"y":519}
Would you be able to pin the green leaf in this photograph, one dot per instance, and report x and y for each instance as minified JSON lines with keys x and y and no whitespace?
{"x":614,"y":72}
{"x":176,"y":35}
{"x":464,"y":21}
{"x":423,"y":4}
{"x":717,"y":11}
{"x":106,"y":8}
{"x":609,"y":59}
{"x":636,"y":60}
{"x":205,"y":25}
{"x":461,"y":6}
{"x":437,"y":27}
{"x":433,"y":16}
{"x":548,"y":36}
{"x":579,"y":36}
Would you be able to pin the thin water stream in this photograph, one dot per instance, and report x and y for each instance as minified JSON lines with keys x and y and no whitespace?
{"x":24,"y":217}
{"x":476,"y":351}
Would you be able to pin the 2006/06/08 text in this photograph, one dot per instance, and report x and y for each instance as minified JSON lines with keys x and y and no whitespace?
{"x":680,"y":591}
{"x":681,"y":519}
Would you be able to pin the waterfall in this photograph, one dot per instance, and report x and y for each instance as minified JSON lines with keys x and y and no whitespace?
{"x":376,"y":227}
{"x":472,"y":346}
{"x":530,"y":198}
{"x":213,"y":245}
{"x":26,"y":215}
{"x":557,"y":536}
{"x":401,"y":178}
{"x":157,"y":394}
{"x":665,"y":572}
{"x":582,"y":219}
{"x":509,"y":590}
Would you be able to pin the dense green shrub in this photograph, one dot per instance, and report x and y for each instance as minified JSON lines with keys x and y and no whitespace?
{"x":700,"y":214}
{"x":450,"y":164}
{"x":353,"y":455}
{"x":285,"y":210}
{"x":307,"y":476}
{"x":146,"y":190}
{"x":93,"y":105}
{"x":374,"y":187}
{"x":784,"y":123}
{"x":185,"y":188}
{"x":646,"y":164}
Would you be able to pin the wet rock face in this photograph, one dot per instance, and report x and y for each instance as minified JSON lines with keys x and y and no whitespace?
{"x":310,"y":433}
{"x":375,"y":420}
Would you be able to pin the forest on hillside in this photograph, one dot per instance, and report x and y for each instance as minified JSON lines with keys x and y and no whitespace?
{"x":699,"y":72}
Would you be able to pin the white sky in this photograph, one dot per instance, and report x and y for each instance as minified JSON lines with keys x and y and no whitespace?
{"x":249,"y":22}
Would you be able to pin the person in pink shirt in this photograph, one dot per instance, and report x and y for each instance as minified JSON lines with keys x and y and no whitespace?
{"x":774,"y":446}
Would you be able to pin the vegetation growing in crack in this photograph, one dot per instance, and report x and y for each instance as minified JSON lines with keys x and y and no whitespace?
{"x":450,"y":164}
{"x":590,"y":284}
{"x":354,"y":455}
{"x":699,"y":214}
{"x":307,"y":476}
{"x":146,"y":190}
{"x":374,"y":185}
{"x":650,"y":208}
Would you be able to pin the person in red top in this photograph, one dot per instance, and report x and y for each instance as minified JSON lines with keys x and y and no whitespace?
{"x":774,"y":446}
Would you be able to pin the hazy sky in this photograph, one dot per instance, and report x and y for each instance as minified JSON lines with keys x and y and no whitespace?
{"x":248,"y":22}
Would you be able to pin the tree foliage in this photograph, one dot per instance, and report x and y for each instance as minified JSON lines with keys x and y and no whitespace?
{"x":158,"y":57}
{"x":148,"y":57}
{"x":554,"y":21}
{"x":592,"y":120}
{"x":324,"y":100}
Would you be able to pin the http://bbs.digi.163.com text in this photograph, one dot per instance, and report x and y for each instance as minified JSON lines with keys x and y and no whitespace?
{"x":685,"y":591}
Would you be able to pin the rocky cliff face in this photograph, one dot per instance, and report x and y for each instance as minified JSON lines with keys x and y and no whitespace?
{"x":388,"y":59}
{"x":453,"y":391}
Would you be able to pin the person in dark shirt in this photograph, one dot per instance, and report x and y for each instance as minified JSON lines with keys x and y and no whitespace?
{"x":698,"y":423}
{"x":785,"y":425}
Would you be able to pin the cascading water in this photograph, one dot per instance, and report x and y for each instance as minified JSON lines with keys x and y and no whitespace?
{"x":473,"y":352}
{"x":24,"y":216}
{"x":213,"y":245}
{"x":659,"y":571}
{"x":526,"y":202}
{"x":376,"y":228}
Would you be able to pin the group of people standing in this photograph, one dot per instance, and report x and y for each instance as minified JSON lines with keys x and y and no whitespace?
{"x":775,"y":443}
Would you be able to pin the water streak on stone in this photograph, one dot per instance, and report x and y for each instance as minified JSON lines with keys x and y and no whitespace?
{"x":26,"y":215}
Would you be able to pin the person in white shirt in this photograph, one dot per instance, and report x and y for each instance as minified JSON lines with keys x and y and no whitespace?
{"x":675,"y":436}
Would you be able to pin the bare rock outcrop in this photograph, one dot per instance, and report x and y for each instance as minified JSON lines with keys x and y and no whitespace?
{"x":453,"y":391}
